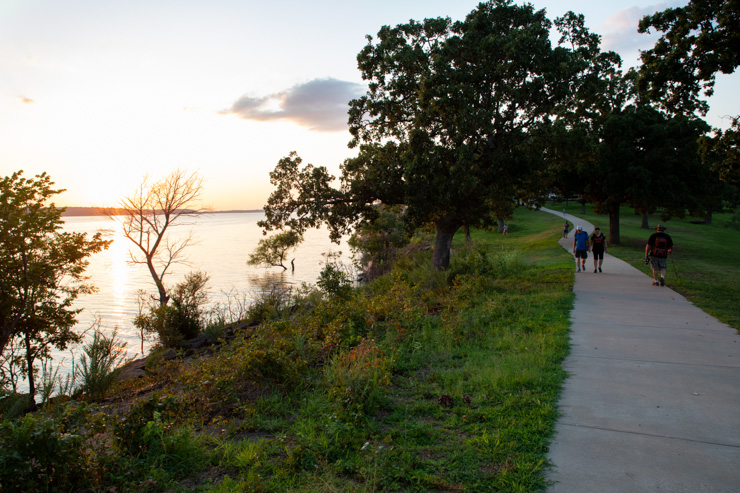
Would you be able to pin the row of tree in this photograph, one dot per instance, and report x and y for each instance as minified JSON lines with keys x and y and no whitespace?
{"x":463,"y":119}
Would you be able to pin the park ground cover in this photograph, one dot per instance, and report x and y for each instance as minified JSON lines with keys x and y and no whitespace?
{"x":419,"y":381}
{"x":705,"y":266}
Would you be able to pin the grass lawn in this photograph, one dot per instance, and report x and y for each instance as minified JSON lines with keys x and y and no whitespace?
{"x":706,"y":261}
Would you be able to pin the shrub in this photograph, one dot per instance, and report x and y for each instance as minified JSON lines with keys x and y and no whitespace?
{"x":183,"y":319}
{"x":334,"y":282}
{"x":355,"y":378}
{"x":36,"y":455}
{"x":270,"y":303}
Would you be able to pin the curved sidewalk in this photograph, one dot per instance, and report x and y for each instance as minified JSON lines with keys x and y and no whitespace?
{"x":652,"y":401}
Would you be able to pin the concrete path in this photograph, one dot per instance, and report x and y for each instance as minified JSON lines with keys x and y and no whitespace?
{"x":652,"y":402}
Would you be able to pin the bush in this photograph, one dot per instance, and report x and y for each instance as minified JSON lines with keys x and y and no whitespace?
{"x":334,"y":282}
{"x":271,"y":303}
{"x":36,"y":455}
{"x":182,"y":320}
{"x":355,"y":378}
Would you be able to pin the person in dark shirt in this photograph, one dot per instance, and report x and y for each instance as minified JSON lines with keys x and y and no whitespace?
{"x":598,"y":248}
{"x":659,"y":246}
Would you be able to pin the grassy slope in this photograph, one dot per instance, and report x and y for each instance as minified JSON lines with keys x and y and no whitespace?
{"x":705,"y":266}
{"x":419,"y":381}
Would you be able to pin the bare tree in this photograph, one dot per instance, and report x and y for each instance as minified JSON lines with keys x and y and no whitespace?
{"x":146,"y":216}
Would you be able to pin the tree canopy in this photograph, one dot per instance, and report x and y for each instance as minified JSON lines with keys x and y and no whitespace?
{"x":699,"y":40}
{"x":453,"y":126}
{"x":41,"y":270}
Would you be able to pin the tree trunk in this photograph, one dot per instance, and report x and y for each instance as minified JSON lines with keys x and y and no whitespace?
{"x":468,"y":239}
{"x":583,"y":206}
{"x":163,"y":298}
{"x":614,"y":226}
{"x":29,"y":365}
{"x":708,"y":218}
{"x":645,"y":221}
{"x":447,"y":226}
{"x":500,"y":224}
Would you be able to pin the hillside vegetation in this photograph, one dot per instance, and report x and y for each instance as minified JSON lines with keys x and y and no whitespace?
{"x":419,"y":381}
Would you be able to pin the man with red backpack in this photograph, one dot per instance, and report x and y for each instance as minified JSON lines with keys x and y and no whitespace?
{"x":658,"y":247}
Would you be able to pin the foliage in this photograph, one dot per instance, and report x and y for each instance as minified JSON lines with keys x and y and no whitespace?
{"x":420,"y":380}
{"x":184,"y":319}
{"x":453,"y":125}
{"x":36,"y":454}
{"x":377,"y":243}
{"x":646,"y":159}
{"x":270,"y":303}
{"x":334,"y":282}
{"x":42,"y":271}
{"x":149,"y":213}
{"x":356,"y":377}
{"x":698,"y":41}
{"x":272,"y":251}
{"x":101,"y":357}
{"x":722,"y":152}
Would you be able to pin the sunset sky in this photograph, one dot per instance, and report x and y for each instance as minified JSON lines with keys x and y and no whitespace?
{"x":100,"y":93}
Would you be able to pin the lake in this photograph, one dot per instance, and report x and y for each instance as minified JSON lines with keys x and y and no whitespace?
{"x":223,"y":243}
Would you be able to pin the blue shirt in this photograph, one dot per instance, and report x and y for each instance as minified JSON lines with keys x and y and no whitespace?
{"x":581,"y":240}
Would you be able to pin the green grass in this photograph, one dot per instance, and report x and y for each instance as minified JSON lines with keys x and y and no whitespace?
{"x":705,"y":265}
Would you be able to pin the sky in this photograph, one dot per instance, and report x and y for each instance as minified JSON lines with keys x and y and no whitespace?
{"x":100,"y":94}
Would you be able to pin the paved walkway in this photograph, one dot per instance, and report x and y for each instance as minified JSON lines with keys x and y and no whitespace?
{"x":652,"y":403}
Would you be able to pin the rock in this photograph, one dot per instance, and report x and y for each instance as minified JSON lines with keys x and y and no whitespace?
{"x":133,"y":369}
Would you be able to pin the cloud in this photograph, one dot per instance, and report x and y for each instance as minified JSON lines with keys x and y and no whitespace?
{"x":620,"y":30}
{"x":320,"y":105}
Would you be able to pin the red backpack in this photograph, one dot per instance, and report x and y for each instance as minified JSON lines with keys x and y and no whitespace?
{"x":660,"y":247}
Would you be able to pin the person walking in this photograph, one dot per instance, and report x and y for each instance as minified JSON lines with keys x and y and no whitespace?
{"x":565,"y":229}
{"x":598,"y":248}
{"x":659,"y":246}
{"x":580,"y":248}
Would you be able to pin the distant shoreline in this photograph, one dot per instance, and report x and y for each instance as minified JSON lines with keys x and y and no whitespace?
{"x":101,"y":211}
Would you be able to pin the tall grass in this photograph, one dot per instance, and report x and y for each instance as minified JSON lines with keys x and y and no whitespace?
{"x":101,"y":357}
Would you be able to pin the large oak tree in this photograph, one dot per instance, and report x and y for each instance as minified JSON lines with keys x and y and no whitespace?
{"x":698,"y":41}
{"x":453,"y":126}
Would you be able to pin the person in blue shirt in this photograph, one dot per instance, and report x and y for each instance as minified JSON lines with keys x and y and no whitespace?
{"x":580,"y":248}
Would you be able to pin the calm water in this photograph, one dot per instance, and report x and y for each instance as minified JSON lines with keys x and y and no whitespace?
{"x":223,"y":243}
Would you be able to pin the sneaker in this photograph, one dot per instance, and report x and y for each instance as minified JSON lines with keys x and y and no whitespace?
{"x":662,"y":281}
{"x":579,"y":270}
{"x":595,"y":271}
{"x":599,"y":269}
{"x":655,"y":283}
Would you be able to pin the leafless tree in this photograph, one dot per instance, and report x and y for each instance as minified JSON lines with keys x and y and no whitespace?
{"x":148,"y":214}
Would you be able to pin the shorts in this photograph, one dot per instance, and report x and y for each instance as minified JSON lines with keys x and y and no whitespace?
{"x":659,"y":262}
{"x":598,"y":254}
{"x":582,"y":254}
